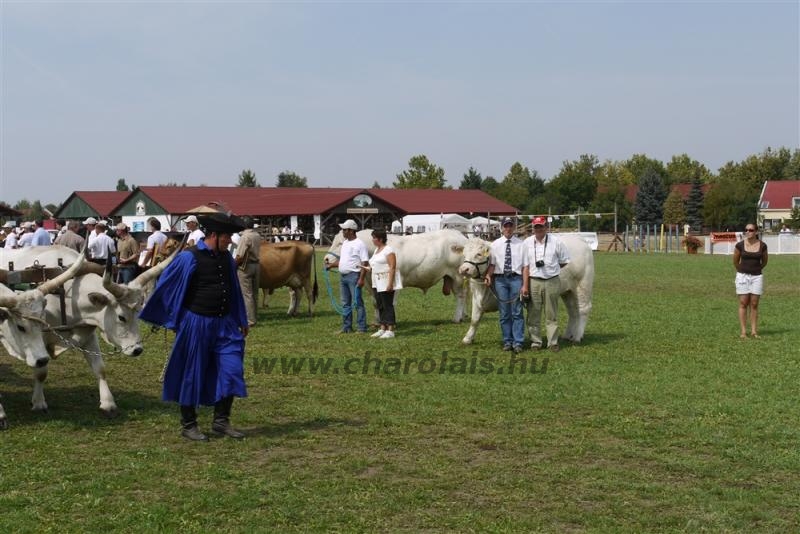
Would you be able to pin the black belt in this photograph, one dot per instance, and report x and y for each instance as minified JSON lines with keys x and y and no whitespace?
{"x":509,"y":275}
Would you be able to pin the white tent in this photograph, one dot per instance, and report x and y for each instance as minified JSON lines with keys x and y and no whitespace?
{"x":436,"y":221}
{"x":484,"y":221}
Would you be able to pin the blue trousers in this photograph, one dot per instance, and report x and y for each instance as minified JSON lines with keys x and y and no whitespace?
{"x":351,"y":297}
{"x":512,"y":322}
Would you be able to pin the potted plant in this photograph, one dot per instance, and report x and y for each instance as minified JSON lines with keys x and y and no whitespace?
{"x":692,"y":244}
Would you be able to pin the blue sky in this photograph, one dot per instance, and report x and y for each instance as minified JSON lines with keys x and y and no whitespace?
{"x":345,"y":93}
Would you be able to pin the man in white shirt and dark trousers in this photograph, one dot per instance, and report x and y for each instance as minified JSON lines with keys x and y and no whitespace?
{"x":354,"y":257}
{"x":101,"y":245}
{"x":546,"y":254}
{"x":505,"y":272}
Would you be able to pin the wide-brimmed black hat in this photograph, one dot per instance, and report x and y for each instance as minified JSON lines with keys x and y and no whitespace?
{"x":221,"y":223}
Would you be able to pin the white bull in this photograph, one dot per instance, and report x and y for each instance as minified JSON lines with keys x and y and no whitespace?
{"x":577,"y":280}
{"x":423,"y":260}
{"x":22,"y":319}
{"x":92,"y":302}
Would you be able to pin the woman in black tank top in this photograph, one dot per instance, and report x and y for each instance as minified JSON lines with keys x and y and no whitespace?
{"x":749,"y":259}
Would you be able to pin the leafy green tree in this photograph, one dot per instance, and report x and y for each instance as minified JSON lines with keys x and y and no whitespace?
{"x":674,"y":212}
{"x":490,"y":186}
{"x":247,"y":178}
{"x":694,"y":205}
{"x":472,"y":180}
{"x":575,"y":185}
{"x":729,"y":204}
{"x":421,"y":174}
{"x":122,"y":186}
{"x":36,"y":211}
{"x":792,"y":169}
{"x":376,"y":185}
{"x":649,"y":205}
{"x":613,"y":179}
{"x":52,"y":208}
{"x":683,"y":169}
{"x":519,"y":186}
{"x":290,"y":179}
{"x":640,"y":163}
{"x":794,"y":222}
{"x":23,"y":205}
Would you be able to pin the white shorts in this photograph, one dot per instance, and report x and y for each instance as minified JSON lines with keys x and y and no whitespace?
{"x":752,"y":284}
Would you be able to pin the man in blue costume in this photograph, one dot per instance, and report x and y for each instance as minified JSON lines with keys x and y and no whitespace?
{"x":198,"y":296}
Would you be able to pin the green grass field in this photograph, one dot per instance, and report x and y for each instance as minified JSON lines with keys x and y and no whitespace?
{"x":661,"y":420}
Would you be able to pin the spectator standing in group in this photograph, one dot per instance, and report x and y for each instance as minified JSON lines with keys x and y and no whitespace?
{"x":749,"y":258}
{"x":505,"y":275}
{"x":26,"y":237}
{"x":198,"y":297}
{"x":155,"y":241}
{"x":195,"y":233}
{"x":101,"y":244}
{"x":127,"y":254}
{"x":88,"y":229}
{"x":354,"y":257}
{"x":247,"y":260}
{"x":70,"y":237}
{"x":545,"y":256}
{"x":11,"y":239}
{"x":385,"y":281}
{"x":41,"y":237}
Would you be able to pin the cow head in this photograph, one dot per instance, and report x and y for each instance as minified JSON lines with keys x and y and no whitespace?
{"x":114,"y":308}
{"x":333,"y":252}
{"x":22,"y":318}
{"x":476,"y":258}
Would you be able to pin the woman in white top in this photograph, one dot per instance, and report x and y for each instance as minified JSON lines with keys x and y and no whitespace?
{"x":385,"y":280}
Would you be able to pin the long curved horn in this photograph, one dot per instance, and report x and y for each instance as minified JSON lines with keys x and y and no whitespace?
{"x":119,"y":291}
{"x":59,"y":280}
{"x":8,"y":301}
{"x":155,"y":271}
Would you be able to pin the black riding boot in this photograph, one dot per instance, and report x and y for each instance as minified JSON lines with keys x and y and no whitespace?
{"x":222,"y":415}
{"x":189,"y":425}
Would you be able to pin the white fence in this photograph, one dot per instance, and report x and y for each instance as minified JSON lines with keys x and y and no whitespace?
{"x":776,"y":244}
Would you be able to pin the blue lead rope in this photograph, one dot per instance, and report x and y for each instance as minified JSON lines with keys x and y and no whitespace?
{"x":334,"y":303}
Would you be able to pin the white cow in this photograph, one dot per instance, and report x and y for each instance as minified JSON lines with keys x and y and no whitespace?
{"x":22,"y":319}
{"x":92,"y":302}
{"x":577,"y":280}
{"x":423,"y":260}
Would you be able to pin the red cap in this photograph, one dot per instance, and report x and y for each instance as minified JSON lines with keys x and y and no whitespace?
{"x":540,"y":220}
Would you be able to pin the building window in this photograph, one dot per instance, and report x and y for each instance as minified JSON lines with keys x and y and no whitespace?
{"x":795,"y":202}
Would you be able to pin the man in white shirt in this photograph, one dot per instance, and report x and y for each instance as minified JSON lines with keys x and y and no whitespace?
{"x":505,"y":272}
{"x":155,"y":241}
{"x":26,"y":238}
{"x":546,"y":254}
{"x":101,"y":245}
{"x":11,"y":239}
{"x":354,"y":257}
{"x":195,"y":233}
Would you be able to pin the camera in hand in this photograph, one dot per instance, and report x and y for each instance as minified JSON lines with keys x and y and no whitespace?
{"x":540,"y":263}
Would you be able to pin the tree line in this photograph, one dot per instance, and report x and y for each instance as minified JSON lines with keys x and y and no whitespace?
{"x":725,"y":199}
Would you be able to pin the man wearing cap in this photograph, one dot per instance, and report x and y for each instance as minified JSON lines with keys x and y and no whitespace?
{"x":195,"y":233}
{"x":354,"y":257}
{"x":505,"y":274}
{"x":546,"y":254}
{"x":127,"y":254}
{"x":26,"y":237}
{"x":88,"y":228}
{"x":11,"y":239}
{"x":100,"y":244}
{"x":70,"y":237}
{"x":247,"y":259}
{"x":198,"y":296}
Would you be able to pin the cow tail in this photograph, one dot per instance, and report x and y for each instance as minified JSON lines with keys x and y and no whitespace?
{"x":315,"y":289}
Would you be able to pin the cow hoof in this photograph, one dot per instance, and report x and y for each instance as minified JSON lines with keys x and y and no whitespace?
{"x":466,"y":341}
{"x":110,"y":413}
{"x":3,"y":423}
{"x":40,"y":409}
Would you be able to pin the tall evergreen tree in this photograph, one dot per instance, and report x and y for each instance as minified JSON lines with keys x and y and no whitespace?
{"x":247,"y":179}
{"x":472,"y":180}
{"x":649,"y":205}
{"x":694,"y":205}
{"x":122,"y":186}
{"x":290,"y":179}
{"x":674,"y":211}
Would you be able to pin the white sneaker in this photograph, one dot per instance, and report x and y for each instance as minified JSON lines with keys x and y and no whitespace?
{"x":379,"y":333}
{"x":388,"y":334}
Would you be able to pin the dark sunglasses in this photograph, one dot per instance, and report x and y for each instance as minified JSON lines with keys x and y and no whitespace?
{"x":749,"y":229}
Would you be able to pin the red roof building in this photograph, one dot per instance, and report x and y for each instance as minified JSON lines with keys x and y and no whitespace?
{"x":83,"y":204}
{"x":778,"y":198}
